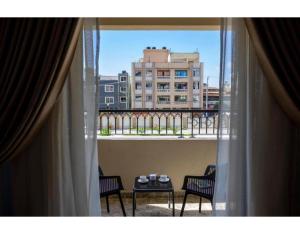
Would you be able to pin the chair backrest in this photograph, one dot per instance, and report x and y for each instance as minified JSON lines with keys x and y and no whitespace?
{"x":100,"y":171}
{"x":210,"y":170}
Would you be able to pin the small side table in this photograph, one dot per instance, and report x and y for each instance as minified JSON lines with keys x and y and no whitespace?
{"x":152,"y":186}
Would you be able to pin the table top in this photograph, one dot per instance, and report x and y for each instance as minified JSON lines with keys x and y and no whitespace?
{"x":153,"y":186}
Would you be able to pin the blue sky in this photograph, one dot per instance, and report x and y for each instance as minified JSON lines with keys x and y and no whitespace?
{"x":118,"y":49}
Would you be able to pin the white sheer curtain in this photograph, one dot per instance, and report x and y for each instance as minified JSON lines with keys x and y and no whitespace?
{"x":58,"y":174}
{"x":254,"y":164}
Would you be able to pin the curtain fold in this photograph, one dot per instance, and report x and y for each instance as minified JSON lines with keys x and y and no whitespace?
{"x":35,"y":56}
{"x":256,"y":172}
{"x":276,"y":42}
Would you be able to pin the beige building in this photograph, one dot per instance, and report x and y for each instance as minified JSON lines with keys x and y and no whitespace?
{"x":163,"y":79}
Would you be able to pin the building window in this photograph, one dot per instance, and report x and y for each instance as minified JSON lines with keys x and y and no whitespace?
{"x":181,"y":86}
{"x":138,"y":73}
{"x":109,"y":100}
{"x":180,"y":98}
{"x":196,"y":72}
{"x":181,"y":73}
{"x":123,"y":89}
{"x":123,"y":79}
{"x":109,"y":88}
{"x":148,"y":72}
{"x":138,"y":98}
{"x":149,"y":98}
{"x":138,"y":85}
{"x":123,"y":99}
{"x":162,"y":73}
{"x":196,"y":85}
{"x":148,"y":85}
{"x":163,"y":99}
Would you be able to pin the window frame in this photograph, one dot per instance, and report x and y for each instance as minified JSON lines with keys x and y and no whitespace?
{"x":106,"y":86}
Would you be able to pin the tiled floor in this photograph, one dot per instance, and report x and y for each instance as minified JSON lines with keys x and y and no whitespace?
{"x":156,"y":206}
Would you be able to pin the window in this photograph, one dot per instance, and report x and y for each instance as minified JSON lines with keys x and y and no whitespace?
{"x":163,"y":86}
{"x":181,"y":73}
{"x":163,"y":99}
{"x":138,"y":85}
{"x":148,"y":72}
{"x":196,"y":85}
{"x":123,"y":99}
{"x":109,"y":88}
{"x":180,"y":98}
{"x":138,"y":98}
{"x":123,"y":78}
{"x":148,"y":85}
{"x":181,"y":86}
{"x":149,"y":98}
{"x":161,"y":73}
{"x":109,"y":100}
{"x":138,"y":73}
{"x":196,"y":72}
{"x":123,"y":89}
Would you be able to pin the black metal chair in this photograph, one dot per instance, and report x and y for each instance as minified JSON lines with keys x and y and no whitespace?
{"x":110,"y":185}
{"x":202,"y":186}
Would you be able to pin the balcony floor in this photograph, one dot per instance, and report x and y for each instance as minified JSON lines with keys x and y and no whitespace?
{"x":156,"y":206}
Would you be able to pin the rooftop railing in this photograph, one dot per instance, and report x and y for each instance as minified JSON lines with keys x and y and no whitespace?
{"x":158,"y":122}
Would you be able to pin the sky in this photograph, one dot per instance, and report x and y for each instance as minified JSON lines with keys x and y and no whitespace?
{"x":118,"y":49}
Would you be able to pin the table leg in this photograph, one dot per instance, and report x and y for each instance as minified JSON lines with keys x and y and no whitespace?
{"x":133,"y":203}
{"x":173,"y":203}
{"x":169,"y":203}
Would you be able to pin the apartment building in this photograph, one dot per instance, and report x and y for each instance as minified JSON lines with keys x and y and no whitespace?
{"x":164,"y":79}
{"x":114,"y":91}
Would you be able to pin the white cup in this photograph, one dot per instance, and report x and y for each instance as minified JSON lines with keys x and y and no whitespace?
{"x":163,"y":177}
{"x":152,"y":177}
{"x":143,"y":178}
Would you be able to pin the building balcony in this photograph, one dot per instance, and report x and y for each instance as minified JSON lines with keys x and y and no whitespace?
{"x":138,"y":78}
{"x":138,"y":91}
{"x":149,"y":78}
{"x":148,"y":65}
{"x":162,"y":146}
{"x":162,"y":90}
{"x":181,"y":77}
{"x":181,"y":90}
{"x":196,"y":78}
{"x":163,"y":77}
{"x":149,"y":91}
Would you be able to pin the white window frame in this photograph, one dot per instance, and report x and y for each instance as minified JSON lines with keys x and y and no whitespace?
{"x":106,"y":88}
{"x":123,"y":77}
{"x":124,"y":101}
{"x":107,"y":98}
{"x":138,"y":100}
{"x":122,"y":90}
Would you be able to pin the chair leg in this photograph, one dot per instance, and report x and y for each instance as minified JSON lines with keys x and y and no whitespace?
{"x":183,"y":204}
{"x":107,"y":204}
{"x":122,"y":206}
{"x":200,"y":203}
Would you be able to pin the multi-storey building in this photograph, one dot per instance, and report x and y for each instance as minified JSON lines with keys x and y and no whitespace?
{"x":162,"y":79}
{"x":114,"y":91}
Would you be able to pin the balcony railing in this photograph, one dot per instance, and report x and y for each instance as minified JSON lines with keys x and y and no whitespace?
{"x":181,"y":90}
{"x":164,"y":122}
{"x":163,"y":90}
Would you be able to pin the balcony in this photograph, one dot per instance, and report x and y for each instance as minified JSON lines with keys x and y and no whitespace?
{"x":172,"y":142}
{"x":149,"y":91}
{"x":163,"y":77}
{"x":138,"y":91}
{"x":181,"y":90}
{"x":162,"y":90}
